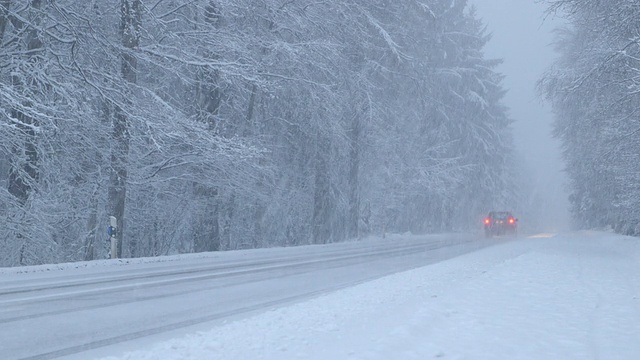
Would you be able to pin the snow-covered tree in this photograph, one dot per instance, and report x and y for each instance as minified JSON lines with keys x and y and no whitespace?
{"x":221,"y":124}
{"x":593,"y":88}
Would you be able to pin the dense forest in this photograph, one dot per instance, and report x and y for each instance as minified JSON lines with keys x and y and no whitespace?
{"x":594,"y":88}
{"x":212,"y":125}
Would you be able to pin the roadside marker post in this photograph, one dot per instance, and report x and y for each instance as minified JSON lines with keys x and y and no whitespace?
{"x":111,"y":231}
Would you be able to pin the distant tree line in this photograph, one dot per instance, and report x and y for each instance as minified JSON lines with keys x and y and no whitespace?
{"x":595,"y":91}
{"x":212,"y":125}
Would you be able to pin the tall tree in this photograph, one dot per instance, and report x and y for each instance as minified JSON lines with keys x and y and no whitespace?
{"x":208,"y":100}
{"x":593,"y":89}
{"x":130,"y":31}
{"x":24,"y":171}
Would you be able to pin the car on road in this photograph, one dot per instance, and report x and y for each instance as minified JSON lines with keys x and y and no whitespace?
{"x":499,"y":223}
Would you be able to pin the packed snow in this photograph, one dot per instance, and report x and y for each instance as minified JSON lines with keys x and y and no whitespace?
{"x":574,"y":296}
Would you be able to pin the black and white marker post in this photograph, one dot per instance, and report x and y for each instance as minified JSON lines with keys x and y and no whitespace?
{"x":112,"y":231}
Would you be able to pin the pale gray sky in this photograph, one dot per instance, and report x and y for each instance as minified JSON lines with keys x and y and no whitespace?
{"x":523,"y":38}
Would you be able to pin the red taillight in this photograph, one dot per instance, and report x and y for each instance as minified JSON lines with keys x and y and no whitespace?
{"x":512,"y":220}
{"x":487,"y":221}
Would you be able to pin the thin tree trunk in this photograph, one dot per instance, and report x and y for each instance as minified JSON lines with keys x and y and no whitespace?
{"x":4,"y":17}
{"x":252,"y":102}
{"x":322,"y":196}
{"x":354,"y":182}
{"x":225,"y":238}
{"x":90,"y":241}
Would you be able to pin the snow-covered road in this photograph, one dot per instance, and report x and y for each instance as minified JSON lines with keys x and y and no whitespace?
{"x":100,"y":308}
{"x":574,"y":296}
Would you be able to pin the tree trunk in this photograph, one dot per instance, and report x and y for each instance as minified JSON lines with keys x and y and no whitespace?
{"x":90,"y":240}
{"x":24,"y":172}
{"x":24,"y":169}
{"x":130,"y":26}
{"x":207,"y":235}
{"x":118,"y":178}
{"x":208,"y":100}
{"x":322,"y":202}
{"x":353,"y":220}
{"x":4,"y":17}
{"x":227,"y":220}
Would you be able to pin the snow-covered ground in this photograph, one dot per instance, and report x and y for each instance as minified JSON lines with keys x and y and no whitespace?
{"x":573,"y":296}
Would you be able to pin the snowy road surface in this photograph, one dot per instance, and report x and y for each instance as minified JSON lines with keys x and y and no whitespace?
{"x":573,"y":296}
{"x":102,"y":308}
{"x":547,"y":297}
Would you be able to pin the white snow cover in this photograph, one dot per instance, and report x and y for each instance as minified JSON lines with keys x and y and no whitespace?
{"x":573,"y":296}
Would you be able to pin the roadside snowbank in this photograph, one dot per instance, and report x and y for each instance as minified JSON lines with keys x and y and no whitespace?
{"x":548,"y":297}
{"x":99,"y":265}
